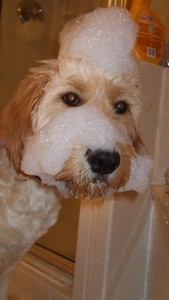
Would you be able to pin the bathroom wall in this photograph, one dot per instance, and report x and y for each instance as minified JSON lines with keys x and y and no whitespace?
{"x":22,"y":45}
{"x":161,"y":7}
{"x":154,"y":120}
{"x":162,"y":142}
{"x":158,"y":268}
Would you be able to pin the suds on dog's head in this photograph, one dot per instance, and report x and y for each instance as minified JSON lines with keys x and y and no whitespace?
{"x":90,"y":37}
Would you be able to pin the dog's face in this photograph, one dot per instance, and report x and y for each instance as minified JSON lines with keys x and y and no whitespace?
{"x":70,"y":84}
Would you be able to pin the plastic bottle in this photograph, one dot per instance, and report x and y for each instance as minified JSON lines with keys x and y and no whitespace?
{"x":150,"y":40}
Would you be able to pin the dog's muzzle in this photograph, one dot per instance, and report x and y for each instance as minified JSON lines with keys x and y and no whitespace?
{"x":103,"y":162}
{"x":68,"y":153}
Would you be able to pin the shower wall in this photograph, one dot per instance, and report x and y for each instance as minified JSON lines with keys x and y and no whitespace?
{"x":23,"y":44}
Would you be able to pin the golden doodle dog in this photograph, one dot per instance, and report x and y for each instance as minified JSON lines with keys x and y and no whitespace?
{"x":56,"y":136}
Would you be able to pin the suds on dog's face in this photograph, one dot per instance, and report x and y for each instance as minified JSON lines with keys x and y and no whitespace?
{"x":81,"y":99}
{"x":73,"y":84}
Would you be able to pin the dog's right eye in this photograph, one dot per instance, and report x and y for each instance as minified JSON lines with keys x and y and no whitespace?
{"x":71,"y":99}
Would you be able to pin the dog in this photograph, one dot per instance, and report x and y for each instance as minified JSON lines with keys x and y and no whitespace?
{"x":60,"y":87}
{"x":28,"y":113}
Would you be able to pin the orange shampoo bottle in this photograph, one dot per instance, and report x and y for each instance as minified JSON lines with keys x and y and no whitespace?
{"x":150,"y":39}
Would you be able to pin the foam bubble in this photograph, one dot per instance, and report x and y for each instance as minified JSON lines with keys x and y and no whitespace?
{"x":139,"y":180}
{"x":105,"y":37}
{"x":47,"y":151}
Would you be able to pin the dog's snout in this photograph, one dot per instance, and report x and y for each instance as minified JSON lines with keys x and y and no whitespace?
{"x":103,"y":162}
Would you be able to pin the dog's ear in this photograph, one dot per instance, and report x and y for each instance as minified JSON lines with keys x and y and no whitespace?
{"x":15,"y":121}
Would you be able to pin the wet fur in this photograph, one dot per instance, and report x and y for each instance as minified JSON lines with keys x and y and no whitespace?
{"x":36,"y":101}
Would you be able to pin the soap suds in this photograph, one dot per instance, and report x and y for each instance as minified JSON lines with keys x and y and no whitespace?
{"x":141,"y":166}
{"x":46,"y":151}
{"x":87,"y":126}
{"x":105,"y":37}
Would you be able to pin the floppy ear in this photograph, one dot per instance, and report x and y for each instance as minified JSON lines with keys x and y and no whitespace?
{"x":16,"y":117}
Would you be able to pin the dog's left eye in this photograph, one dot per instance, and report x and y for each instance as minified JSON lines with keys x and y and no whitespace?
{"x":121,"y":107}
{"x":71,"y":99}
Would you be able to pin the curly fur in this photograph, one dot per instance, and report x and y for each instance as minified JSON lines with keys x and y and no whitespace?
{"x":27,"y":207}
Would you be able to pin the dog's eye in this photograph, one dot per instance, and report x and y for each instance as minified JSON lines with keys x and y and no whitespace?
{"x":120,"y":107}
{"x":71,"y":99}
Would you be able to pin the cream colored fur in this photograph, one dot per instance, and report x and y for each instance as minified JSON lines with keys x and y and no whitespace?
{"x":27,"y":207}
{"x":27,"y":210}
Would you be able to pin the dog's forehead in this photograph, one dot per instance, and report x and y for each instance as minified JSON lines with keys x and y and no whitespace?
{"x":81,"y":76}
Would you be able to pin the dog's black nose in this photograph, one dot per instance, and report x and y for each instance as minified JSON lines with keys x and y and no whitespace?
{"x":103,"y":162}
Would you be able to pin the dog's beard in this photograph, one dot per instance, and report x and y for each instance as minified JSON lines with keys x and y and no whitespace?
{"x":64,"y":165}
{"x":77,"y":177}
{"x":86,"y":188}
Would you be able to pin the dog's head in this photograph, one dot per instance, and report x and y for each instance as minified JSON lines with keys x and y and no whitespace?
{"x":74,"y":122}
{"x":68,"y":87}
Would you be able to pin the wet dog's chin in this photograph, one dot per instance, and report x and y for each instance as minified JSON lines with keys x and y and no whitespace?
{"x":78,"y":178}
{"x":89,"y":190}
{"x":86,"y":189}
